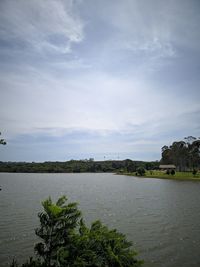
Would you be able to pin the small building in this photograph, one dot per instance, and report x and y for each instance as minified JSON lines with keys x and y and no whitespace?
{"x":167,"y":167}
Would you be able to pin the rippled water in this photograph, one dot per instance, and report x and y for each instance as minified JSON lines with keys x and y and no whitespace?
{"x":161,"y":217}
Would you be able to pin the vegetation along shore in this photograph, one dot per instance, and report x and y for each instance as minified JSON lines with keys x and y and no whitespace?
{"x":164,"y":175}
{"x":180,"y":161}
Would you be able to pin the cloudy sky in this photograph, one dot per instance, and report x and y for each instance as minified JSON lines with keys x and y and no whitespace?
{"x":109,"y":79}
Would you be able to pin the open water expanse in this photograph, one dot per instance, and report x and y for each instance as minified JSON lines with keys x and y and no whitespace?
{"x":161,"y":217}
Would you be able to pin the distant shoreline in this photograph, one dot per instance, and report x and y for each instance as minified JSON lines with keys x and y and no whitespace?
{"x":76,"y":166}
{"x":176,"y":177}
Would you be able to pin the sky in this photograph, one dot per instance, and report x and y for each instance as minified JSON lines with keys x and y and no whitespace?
{"x":102,"y":79}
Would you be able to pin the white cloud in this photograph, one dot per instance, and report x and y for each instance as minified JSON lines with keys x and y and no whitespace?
{"x":111,"y":84}
{"x":141,"y":26}
{"x":95,"y":101}
{"x":155,"y":29}
{"x":44,"y":25}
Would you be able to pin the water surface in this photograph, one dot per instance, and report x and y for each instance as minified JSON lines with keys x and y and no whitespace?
{"x":161,"y":217}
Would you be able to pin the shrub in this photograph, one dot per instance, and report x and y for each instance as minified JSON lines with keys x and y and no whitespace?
{"x":67,"y":241}
{"x":141,"y":171}
{"x":172,"y":172}
{"x":194,"y":172}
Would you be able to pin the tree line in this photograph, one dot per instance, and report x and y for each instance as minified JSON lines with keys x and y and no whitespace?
{"x":77,"y":166}
{"x":184,"y":154}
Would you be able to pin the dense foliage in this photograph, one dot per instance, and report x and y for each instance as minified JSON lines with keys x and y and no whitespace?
{"x":140,"y":171}
{"x":185,"y":155}
{"x":67,"y":241}
{"x":77,"y":166}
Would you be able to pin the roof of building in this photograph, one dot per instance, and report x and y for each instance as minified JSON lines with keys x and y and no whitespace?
{"x":167,"y":166}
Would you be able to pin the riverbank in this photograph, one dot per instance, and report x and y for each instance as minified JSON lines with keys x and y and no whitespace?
{"x":162,"y":175}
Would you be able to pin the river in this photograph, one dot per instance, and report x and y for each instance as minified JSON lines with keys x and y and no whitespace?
{"x":161,"y":217}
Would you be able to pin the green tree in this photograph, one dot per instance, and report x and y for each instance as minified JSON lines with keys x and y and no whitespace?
{"x":166,"y":155}
{"x":184,"y":154}
{"x":172,"y":172}
{"x":130,"y":165}
{"x":57,"y":224}
{"x":195,"y":154}
{"x":67,"y":241}
{"x":194,"y":172}
{"x":141,"y":171}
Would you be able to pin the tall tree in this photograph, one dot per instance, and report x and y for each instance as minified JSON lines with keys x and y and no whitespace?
{"x":184,"y":154}
{"x":57,"y":224}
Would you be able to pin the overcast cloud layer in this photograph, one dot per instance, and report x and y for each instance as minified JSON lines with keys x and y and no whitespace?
{"x":105,"y":79}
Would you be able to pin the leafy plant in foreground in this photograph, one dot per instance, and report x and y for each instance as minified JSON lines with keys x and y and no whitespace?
{"x":58,"y":222}
{"x":67,"y":241}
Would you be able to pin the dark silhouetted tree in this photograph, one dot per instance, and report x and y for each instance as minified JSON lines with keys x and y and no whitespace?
{"x":2,"y":141}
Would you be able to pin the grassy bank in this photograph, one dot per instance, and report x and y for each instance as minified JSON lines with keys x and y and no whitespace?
{"x":163,"y":175}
